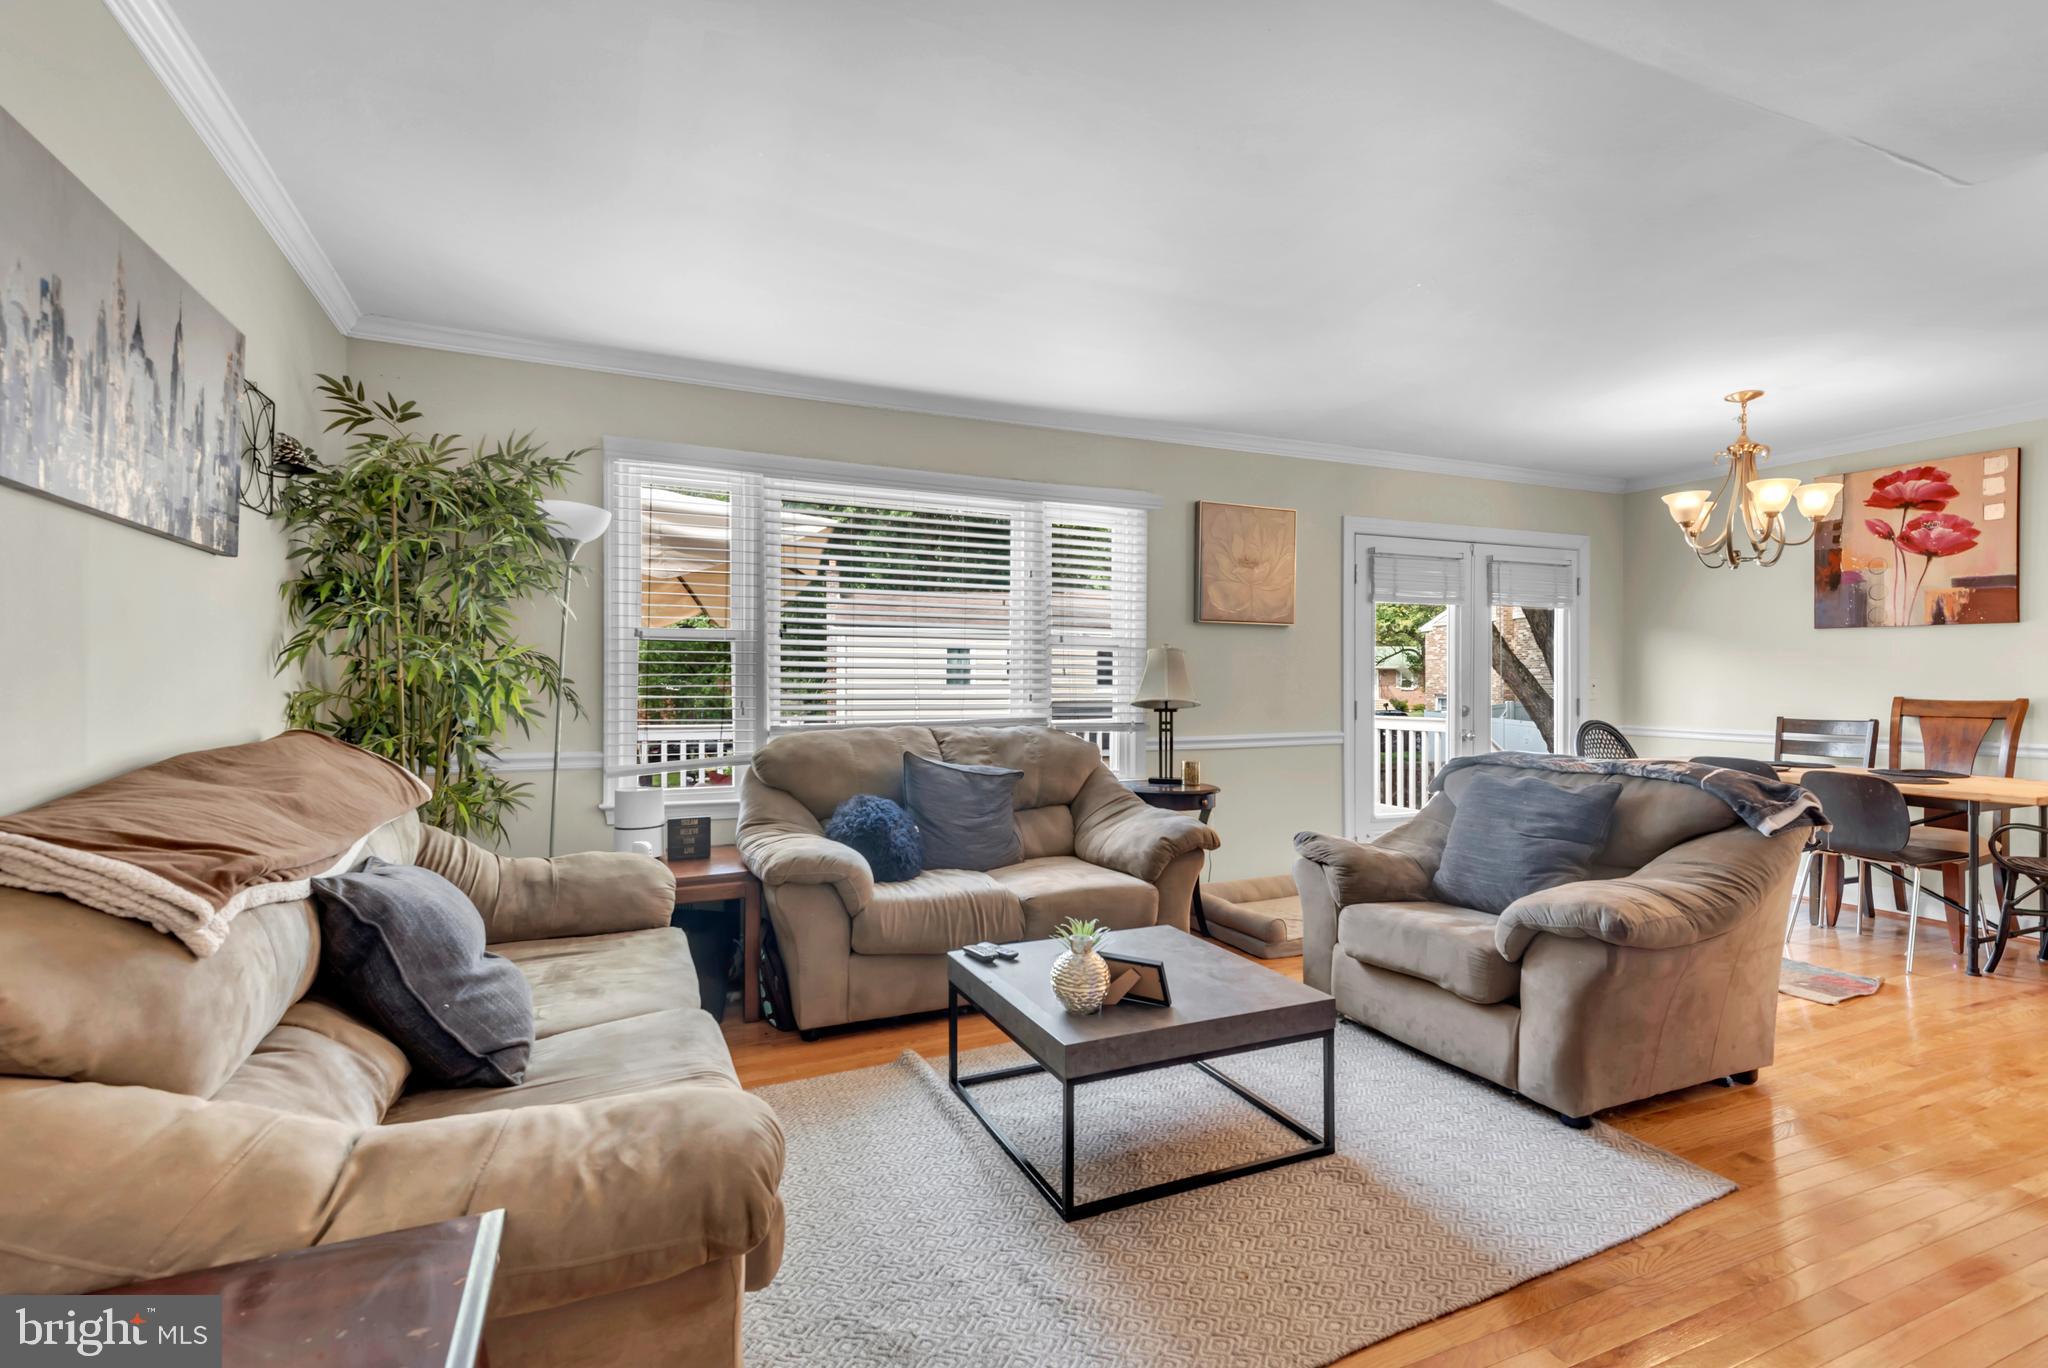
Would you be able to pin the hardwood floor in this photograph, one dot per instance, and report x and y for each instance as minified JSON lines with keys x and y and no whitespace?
{"x":1894,"y":1172}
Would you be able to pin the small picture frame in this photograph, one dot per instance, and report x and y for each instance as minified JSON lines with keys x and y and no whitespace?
{"x":1150,"y":989}
{"x":689,"y":838}
{"x":1190,"y":773}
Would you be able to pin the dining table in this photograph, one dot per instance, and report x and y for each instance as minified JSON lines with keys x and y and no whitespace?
{"x":1970,"y":795}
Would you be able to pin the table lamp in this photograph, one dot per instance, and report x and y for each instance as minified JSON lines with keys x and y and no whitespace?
{"x":1164,"y":690}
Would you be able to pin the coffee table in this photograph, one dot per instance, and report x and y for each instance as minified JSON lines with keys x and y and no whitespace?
{"x":1222,"y":1005}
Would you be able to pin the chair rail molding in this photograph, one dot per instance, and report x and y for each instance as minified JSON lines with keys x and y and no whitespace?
{"x":2030,"y":750}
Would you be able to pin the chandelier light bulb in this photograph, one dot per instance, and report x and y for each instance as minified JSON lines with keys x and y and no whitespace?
{"x":1773,"y":496}
{"x":1817,"y":500}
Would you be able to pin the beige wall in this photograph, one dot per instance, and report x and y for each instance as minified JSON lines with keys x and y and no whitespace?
{"x":120,"y":647}
{"x":1251,"y":679}
{"x":1728,"y":651}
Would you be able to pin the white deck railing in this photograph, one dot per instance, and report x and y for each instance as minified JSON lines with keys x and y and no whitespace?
{"x":1410,"y":752}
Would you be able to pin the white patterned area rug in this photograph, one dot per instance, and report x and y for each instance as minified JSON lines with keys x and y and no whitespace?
{"x":912,"y":1239}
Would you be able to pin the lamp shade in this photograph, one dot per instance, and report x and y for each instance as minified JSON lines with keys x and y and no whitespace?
{"x":579,"y":523}
{"x":1165,"y":684}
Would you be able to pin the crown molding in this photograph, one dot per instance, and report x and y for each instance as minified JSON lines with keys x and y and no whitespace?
{"x":717,"y":375}
{"x":170,"y":53}
{"x":1954,"y":426}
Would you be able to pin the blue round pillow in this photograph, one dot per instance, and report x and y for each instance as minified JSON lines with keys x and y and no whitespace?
{"x":883,"y":832}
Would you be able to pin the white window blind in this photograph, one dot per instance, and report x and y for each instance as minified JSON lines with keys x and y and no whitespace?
{"x":1530,"y":584}
{"x":875,"y":592}
{"x":1399,"y":577}
{"x":742,"y":604}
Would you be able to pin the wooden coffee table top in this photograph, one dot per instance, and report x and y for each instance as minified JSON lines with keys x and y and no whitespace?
{"x":1221,"y":1002}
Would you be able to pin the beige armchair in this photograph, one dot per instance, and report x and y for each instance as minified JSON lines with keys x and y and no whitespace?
{"x":1659,"y":972}
{"x":858,"y":950}
{"x":162,"y":1113}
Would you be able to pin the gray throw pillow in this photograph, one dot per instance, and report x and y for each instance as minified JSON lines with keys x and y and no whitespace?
{"x":966,"y":813}
{"x":1513,"y":837}
{"x":405,"y":948}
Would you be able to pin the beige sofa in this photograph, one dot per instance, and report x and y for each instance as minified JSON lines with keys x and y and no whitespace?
{"x":161,"y":1112}
{"x":858,"y":950}
{"x":1659,"y":972}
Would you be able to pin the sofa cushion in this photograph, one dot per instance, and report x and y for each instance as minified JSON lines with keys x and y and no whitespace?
{"x":1057,"y":887}
{"x":580,"y":981}
{"x":1054,"y":763}
{"x":404,"y":947}
{"x":1513,"y":837}
{"x":606,"y":1059}
{"x":939,"y":910}
{"x":822,"y":769}
{"x":112,"y":1001}
{"x":1045,"y":830}
{"x":882,"y":832}
{"x":321,"y":1062}
{"x":1451,"y":947}
{"x":965,"y":813}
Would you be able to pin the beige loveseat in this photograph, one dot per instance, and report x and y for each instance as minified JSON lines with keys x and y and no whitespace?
{"x":1657,"y":973}
{"x":858,"y":950}
{"x":161,"y":1112}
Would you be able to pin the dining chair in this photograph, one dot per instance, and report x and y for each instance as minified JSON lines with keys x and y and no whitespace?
{"x":1953,"y":734}
{"x":2016,"y":870}
{"x":1828,"y":741}
{"x":1602,"y":741}
{"x":1868,"y":822}
{"x":1747,"y":764}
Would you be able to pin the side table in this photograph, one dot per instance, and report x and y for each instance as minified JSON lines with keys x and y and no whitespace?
{"x":404,"y":1299}
{"x":716,"y":878}
{"x":1196,"y":798}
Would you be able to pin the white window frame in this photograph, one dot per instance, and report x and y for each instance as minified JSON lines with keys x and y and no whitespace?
{"x":1359,"y":683}
{"x":752,"y":657}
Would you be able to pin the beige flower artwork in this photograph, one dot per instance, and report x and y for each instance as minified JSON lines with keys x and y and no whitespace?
{"x":1244,"y":564}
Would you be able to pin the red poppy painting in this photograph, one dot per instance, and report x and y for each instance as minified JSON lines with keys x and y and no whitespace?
{"x":1928,"y":545}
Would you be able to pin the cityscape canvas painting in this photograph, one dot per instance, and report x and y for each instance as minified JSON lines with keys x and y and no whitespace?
{"x":1929,"y":545}
{"x":120,"y":386}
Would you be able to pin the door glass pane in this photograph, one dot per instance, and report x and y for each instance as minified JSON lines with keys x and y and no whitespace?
{"x":1415,"y":652}
{"x":1522,"y":679}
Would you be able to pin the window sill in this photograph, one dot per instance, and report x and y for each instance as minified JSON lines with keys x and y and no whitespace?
{"x":722,"y":806}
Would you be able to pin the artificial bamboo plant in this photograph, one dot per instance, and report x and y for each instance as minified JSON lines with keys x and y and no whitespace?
{"x":412,"y":556}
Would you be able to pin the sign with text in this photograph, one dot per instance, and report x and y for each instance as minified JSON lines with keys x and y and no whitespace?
{"x":159,"y":1331}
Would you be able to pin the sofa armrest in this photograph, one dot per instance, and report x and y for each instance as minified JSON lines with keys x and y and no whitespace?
{"x":1358,"y":873}
{"x":1116,"y":829}
{"x":599,"y":1196}
{"x":1693,"y":892}
{"x":782,"y":843}
{"x":586,"y":894}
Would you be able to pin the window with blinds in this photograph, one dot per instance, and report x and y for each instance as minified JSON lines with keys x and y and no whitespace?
{"x":743,"y":604}
{"x":1531,"y":584}
{"x":1403,"y":577}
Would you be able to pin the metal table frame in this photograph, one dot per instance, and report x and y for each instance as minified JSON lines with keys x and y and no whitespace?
{"x":1061,"y":1199}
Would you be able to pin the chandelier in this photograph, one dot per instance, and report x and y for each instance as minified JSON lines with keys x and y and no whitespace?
{"x":1752,"y":526}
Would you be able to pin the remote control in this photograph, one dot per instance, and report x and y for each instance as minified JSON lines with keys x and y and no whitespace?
{"x":1005,"y":952}
{"x":986,"y":951}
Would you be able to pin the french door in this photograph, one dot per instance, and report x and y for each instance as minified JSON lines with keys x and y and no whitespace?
{"x":1460,"y":643}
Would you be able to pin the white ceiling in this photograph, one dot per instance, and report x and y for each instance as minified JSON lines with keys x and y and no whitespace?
{"x":1546,"y":234}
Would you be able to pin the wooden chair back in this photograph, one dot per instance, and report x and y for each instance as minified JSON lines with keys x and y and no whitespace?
{"x":1834,"y":740}
{"x":1953,"y":731}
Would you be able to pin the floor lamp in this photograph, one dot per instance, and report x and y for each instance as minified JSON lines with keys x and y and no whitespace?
{"x":574,"y":526}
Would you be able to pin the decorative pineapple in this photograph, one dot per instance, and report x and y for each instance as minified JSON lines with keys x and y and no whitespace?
{"x":1080,"y":978}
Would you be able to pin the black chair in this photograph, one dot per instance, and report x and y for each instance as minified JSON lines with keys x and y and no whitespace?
{"x":1868,"y":823}
{"x":1602,"y":741}
{"x":2014,"y":869}
{"x":1737,"y":762}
